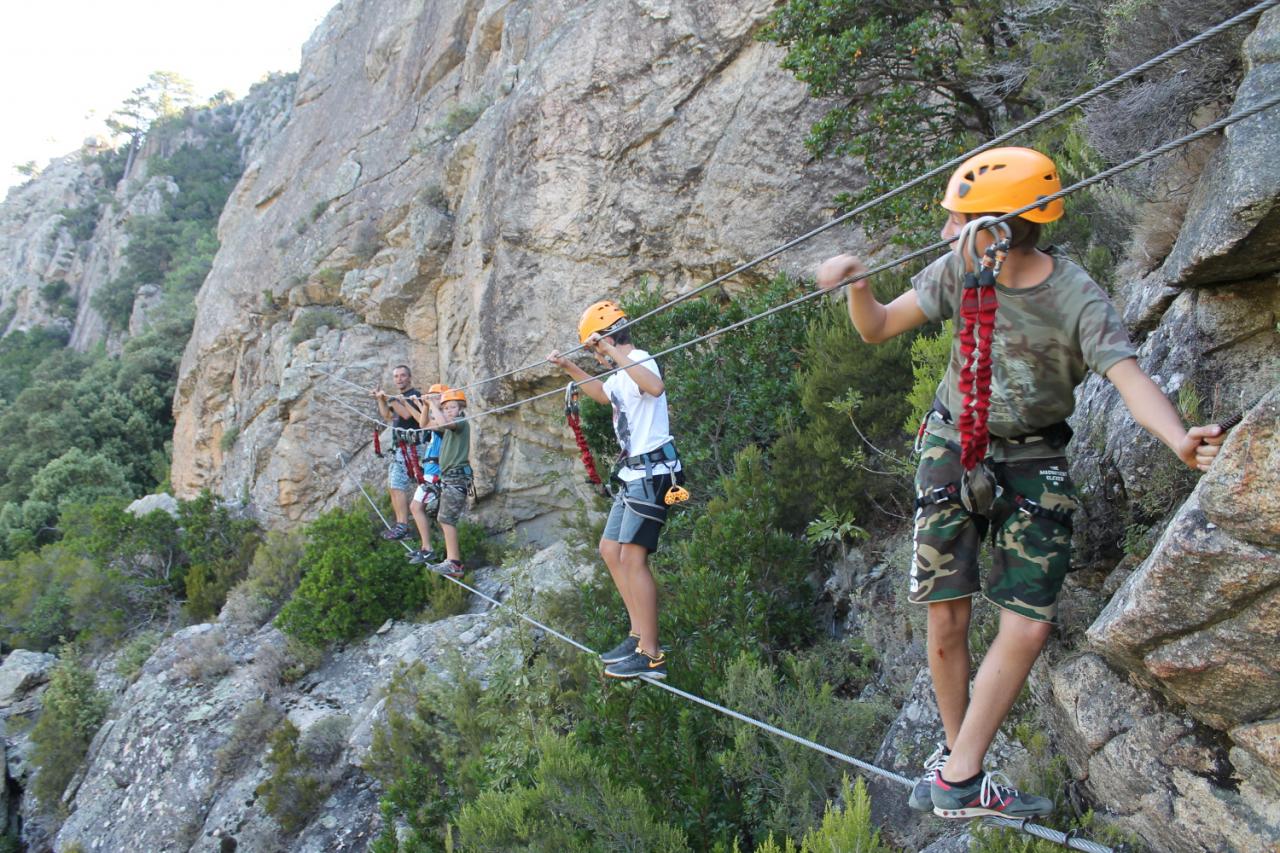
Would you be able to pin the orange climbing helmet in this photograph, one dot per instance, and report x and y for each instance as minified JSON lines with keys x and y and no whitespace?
{"x":599,"y":317}
{"x":453,"y":395}
{"x":438,"y":388}
{"x":1003,"y":180}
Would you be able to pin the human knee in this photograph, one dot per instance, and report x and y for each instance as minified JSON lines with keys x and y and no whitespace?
{"x":1026,"y":632}
{"x":949,"y":622}
{"x":633,"y":557}
{"x":609,"y":551}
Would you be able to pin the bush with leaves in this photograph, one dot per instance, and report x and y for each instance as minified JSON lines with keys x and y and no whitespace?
{"x":219,"y":549}
{"x":299,"y":781}
{"x":351,"y":582}
{"x":845,"y":448}
{"x":815,"y":691}
{"x":847,"y":828}
{"x":572,"y":804}
{"x":72,"y":708}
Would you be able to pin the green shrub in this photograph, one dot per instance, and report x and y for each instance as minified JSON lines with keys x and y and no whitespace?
{"x":929,"y":356}
{"x":252,"y":726}
{"x":848,"y":829}
{"x":308,"y":322}
{"x":72,"y":708}
{"x":845,"y":448}
{"x":296,"y":788}
{"x":572,"y":804}
{"x":461,"y":117}
{"x":219,"y":548}
{"x":136,"y":653}
{"x":351,"y":582}
{"x":229,"y":437}
{"x":784,"y":785}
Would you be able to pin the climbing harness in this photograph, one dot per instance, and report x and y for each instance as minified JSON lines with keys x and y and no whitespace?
{"x":572,"y":414}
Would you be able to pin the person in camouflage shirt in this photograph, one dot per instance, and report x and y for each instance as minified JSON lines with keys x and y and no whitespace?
{"x":1053,"y":324}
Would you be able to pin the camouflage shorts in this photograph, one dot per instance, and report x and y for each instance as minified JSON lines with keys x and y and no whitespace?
{"x":1031,"y":552}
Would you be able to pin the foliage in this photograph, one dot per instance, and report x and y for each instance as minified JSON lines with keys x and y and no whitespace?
{"x":845,"y":446}
{"x":727,"y":393}
{"x":307,"y":323}
{"x":135,"y":653}
{"x":273,"y":576}
{"x":912,"y":84}
{"x":351,"y":584}
{"x":298,"y":783}
{"x":784,"y":785}
{"x":848,"y":829}
{"x":462,"y":116}
{"x":72,"y":709}
{"x":219,"y":548}
{"x":929,"y":356}
{"x":572,"y":804}
{"x":20,"y":355}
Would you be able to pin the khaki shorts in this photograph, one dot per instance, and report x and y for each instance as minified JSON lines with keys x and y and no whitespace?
{"x":1031,"y":552}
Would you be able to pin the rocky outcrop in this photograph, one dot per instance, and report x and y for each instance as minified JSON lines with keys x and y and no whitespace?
{"x":1169,"y":722}
{"x":178,"y":764}
{"x":62,"y":234}
{"x":21,"y":672}
{"x":455,"y":181}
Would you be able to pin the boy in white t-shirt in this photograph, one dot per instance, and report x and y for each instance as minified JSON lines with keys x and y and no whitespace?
{"x":648,"y":468}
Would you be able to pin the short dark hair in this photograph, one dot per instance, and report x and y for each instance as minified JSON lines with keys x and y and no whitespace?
{"x":1023,"y":233}
{"x":622,"y":337}
{"x":405,"y":367}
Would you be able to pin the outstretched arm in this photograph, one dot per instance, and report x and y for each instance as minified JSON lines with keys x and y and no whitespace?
{"x":876,"y":323}
{"x":591,"y":386}
{"x":1196,"y":447}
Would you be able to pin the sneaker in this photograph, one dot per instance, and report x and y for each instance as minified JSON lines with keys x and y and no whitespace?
{"x":920,"y":798}
{"x":638,"y":664}
{"x":990,"y":795}
{"x":449,"y":568}
{"x":396,"y":531}
{"x":423,"y":557}
{"x":623,"y":650}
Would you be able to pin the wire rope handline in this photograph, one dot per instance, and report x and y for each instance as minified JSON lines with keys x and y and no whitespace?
{"x":1066,"y":106}
{"x":1106,"y":174}
{"x":1068,"y":840}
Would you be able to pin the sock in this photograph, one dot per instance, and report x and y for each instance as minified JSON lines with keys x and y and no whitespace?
{"x":963,"y":783}
{"x":946,"y":752}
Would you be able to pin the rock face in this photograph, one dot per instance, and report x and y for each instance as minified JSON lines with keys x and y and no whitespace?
{"x":21,"y":672}
{"x":172,"y":768}
{"x":62,"y":234}
{"x":455,"y":182}
{"x":1191,"y":765}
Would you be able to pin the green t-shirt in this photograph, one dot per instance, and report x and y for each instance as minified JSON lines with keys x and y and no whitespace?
{"x":455,"y":447}
{"x":1046,"y":339}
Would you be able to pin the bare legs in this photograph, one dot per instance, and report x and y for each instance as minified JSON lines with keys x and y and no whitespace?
{"x":629,"y":568}
{"x":971,"y":722}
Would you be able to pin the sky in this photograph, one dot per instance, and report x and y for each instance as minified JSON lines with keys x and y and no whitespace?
{"x":66,"y":64}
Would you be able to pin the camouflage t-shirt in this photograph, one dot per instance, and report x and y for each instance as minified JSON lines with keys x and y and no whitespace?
{"x":1046,"y":338}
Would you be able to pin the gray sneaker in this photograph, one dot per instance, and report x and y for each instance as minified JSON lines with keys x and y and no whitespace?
{"x":920,"y":799}
{"x":423,"y":557}
{"x":624,"y":649}
{"x":990,"y":795}
{"x":637,"y":664}
{"x":449,"y":568}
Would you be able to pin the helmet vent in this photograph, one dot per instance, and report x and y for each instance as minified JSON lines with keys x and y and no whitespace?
{"x":969,"y":176}
{"x":963,"y":190}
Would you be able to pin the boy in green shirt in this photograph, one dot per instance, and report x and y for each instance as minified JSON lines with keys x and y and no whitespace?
{"x":993,"y":449}
{"x":447,"y":416}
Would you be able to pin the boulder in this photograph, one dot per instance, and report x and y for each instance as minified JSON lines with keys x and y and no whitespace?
{"x":21,"y":672}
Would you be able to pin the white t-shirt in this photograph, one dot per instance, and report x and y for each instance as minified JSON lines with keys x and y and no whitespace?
{"x":640,"y":420}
